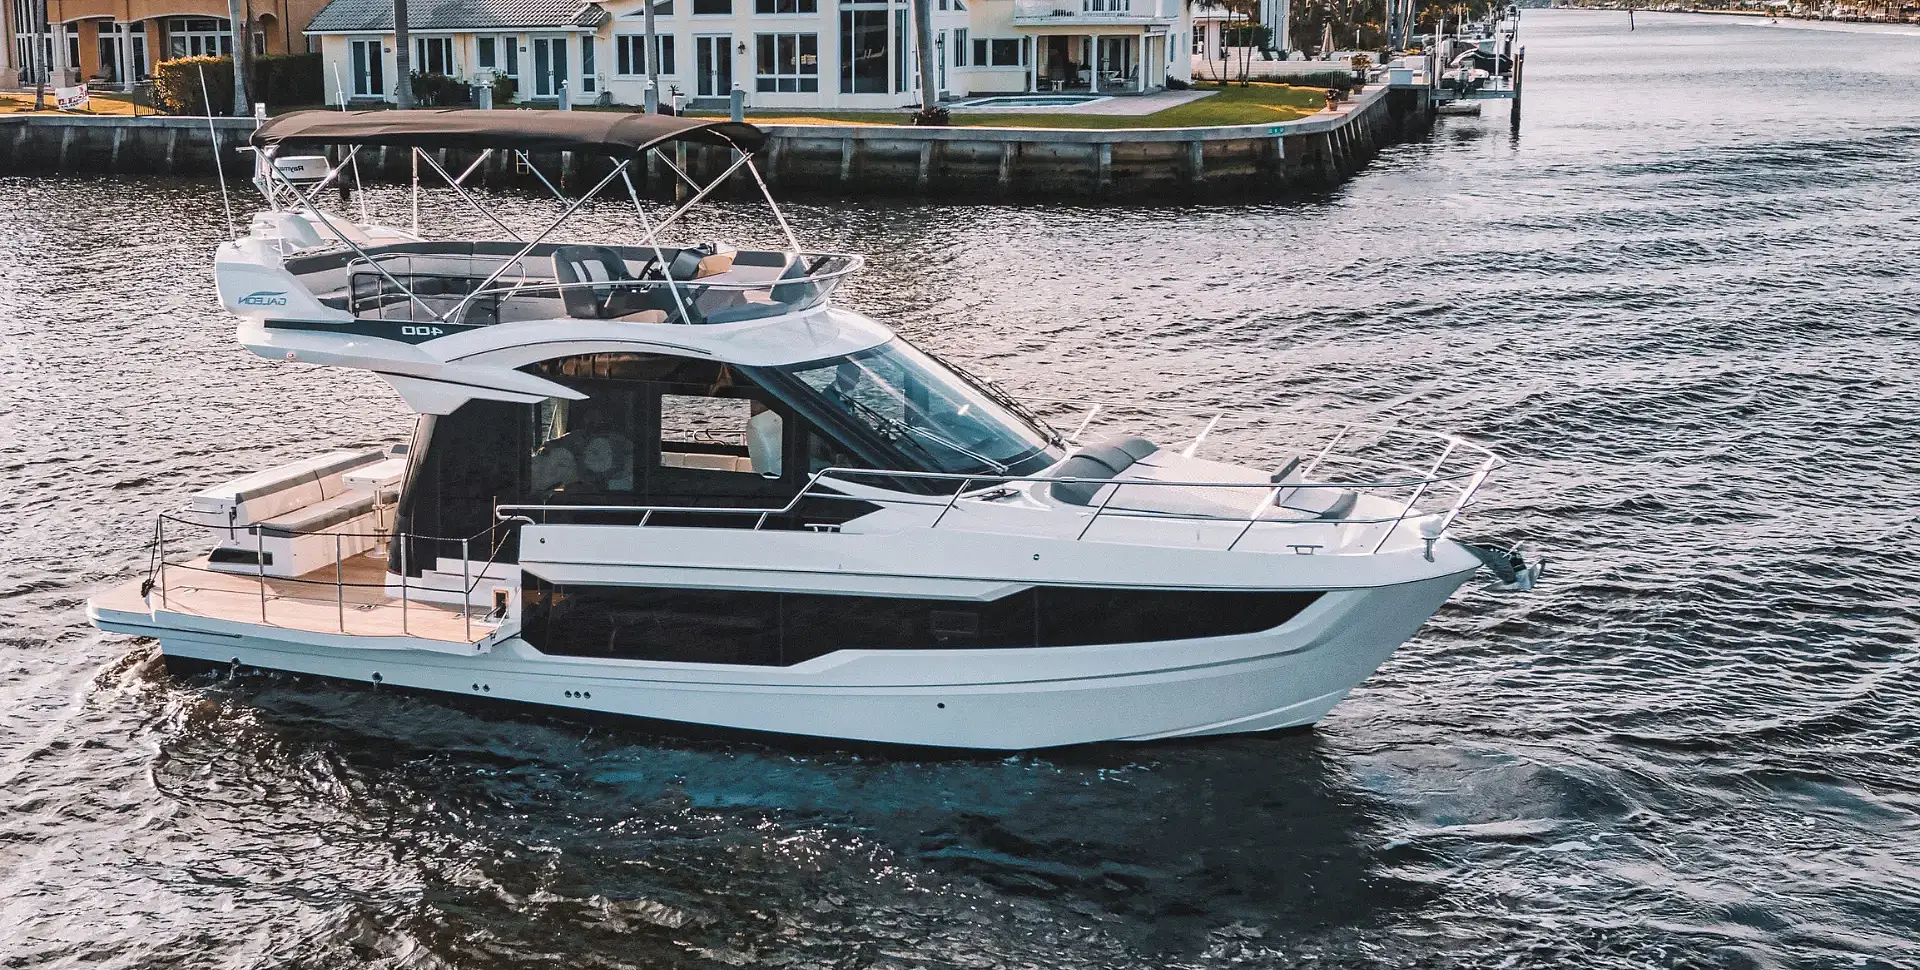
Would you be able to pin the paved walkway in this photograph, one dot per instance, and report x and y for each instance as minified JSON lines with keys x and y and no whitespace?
{"x":1128,"y":104}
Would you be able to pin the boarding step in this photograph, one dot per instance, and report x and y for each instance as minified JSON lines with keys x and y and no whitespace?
{"x":443,"y":584}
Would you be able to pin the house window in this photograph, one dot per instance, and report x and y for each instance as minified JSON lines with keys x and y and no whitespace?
{"x":786,"y":6}
{"x":787,"y":62}
{"x":198,"y":37}
{"x":630,"y":54}
{"x":863,"y":51}
{"x":484,"y":53}
{"x":960,"y":47}
{"x":903,"y":43}
{"x":433,"y":55}
{"x":998,"y":52}
{"x":588,"y":81}
{"x":703,"y":7}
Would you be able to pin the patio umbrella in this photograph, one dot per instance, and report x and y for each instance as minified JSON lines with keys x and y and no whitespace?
{"x":1326,"y":40}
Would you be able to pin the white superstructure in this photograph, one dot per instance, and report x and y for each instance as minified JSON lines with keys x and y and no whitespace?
{"x":678,"y":482}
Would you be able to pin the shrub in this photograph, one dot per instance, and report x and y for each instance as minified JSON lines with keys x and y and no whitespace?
{"x":280,"y":80}
{"x":1177,"y":84}
{"x":935,"y":116}
{"x":439,"y":91}
{"x":177,"y":85}
{"x":287,"y":80}
{"x":1323,"y":79}
{"x":504,"y":89}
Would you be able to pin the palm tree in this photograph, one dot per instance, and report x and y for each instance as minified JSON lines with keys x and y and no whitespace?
{"x":242,"y":55}
{"x":923,"y":42}
{"x":402,"y":59}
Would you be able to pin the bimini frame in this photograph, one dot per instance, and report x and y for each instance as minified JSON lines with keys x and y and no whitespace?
{"x":625,"y":138}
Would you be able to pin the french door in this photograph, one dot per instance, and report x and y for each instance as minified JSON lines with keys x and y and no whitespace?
{"x":713,"y":63}
{"x":549,"y":66}
{"x":117,"y":39}
{"x":369,"y":68}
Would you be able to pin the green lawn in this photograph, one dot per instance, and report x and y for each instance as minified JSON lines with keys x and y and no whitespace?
{"x":1232,"y":105}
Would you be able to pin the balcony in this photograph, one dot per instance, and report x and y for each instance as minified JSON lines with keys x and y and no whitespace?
{"x":1091,"y":13}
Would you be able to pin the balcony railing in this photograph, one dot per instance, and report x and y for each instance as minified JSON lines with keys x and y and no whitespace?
{"x":1040,"y":11}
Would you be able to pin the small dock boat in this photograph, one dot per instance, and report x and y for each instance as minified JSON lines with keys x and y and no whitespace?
{"x":680,"y":482}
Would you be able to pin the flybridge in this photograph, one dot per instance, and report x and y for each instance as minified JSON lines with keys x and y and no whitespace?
{"x":362,"y":271}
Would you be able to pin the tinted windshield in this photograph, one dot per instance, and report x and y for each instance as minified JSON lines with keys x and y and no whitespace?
{"x":923,"y":408}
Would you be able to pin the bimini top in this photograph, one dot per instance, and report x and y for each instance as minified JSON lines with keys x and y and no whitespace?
{"x":614,"y":133}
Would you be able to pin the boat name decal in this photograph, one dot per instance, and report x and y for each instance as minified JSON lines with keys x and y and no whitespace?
{"x":422,"y":331}
{"x":264,"y":298}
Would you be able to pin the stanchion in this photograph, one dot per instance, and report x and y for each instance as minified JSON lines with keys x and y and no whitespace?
{"x":466,"y":587}
{"x":403,"y":584}
{"x":339,"y":584}
{"x":260,"y":567}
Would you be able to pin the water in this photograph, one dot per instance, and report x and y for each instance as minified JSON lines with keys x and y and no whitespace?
{"x":1682,"y":298}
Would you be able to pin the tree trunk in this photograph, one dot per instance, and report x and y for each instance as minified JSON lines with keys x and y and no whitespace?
{"x":242,"y":28}
{"x":652,"y":54}
{"x":923,"y":43}
{"x":402,"y":56}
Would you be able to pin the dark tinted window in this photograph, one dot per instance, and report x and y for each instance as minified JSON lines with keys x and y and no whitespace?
{"x":464,"y":463}
{"x":713,"y":626}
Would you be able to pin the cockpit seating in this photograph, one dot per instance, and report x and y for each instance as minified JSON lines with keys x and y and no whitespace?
{"x":610,"y":291}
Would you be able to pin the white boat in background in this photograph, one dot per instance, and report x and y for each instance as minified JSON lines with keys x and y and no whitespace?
{"x":678,"y":482}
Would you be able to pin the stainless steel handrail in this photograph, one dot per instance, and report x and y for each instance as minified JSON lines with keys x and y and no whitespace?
{"x":158,"y":571}
{"x":818,"y":284}
{"x":1420,"y":483}
{"x":855,"y":262}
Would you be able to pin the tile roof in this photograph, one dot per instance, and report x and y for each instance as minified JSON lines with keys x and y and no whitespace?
{"x":341,"y":16}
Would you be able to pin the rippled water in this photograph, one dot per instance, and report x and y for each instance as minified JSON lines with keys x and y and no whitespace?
{"x":1683,"y":298}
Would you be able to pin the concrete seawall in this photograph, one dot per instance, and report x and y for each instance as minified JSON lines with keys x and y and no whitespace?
{"x":842,"y":161}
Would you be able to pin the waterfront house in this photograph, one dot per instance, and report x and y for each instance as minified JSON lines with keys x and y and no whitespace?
{"x":820,"y":54}
{"x":115,"y":42}
{"x":1213,"y":40}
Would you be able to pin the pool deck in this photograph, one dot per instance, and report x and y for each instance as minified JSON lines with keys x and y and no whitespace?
{"x":1125,"y":104}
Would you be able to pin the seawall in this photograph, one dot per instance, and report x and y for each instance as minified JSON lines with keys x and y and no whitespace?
{"x":846,"y":161}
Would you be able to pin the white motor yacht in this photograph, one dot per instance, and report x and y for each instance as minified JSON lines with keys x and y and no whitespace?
{"x":679,"y":482}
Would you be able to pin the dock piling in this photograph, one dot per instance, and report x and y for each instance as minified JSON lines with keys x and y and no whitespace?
{"x":1519,"y":66}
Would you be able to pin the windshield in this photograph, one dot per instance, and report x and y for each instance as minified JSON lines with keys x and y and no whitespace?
{"x":912,"y":401}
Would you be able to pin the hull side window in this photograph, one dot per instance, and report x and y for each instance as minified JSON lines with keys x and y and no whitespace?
{"x":781,"y":629}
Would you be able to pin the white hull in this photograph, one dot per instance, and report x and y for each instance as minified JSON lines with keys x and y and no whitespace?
{"x":1008,"y":699}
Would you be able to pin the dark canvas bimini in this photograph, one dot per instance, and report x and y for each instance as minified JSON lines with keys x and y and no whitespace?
{"x":607,"y":132}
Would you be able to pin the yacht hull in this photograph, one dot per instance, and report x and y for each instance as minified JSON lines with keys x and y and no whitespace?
{"x":1003,"y":699}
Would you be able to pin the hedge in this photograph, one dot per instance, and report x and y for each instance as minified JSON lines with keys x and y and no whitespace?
{"x":280,"y":80}
{"x":440,"y":91}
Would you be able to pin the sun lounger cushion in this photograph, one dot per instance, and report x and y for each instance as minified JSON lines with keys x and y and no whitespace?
{"x":319,"y":516}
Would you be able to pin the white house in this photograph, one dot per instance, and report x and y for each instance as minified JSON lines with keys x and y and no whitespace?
{"x":1210,"y":27}
{"x":831,"y":54}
